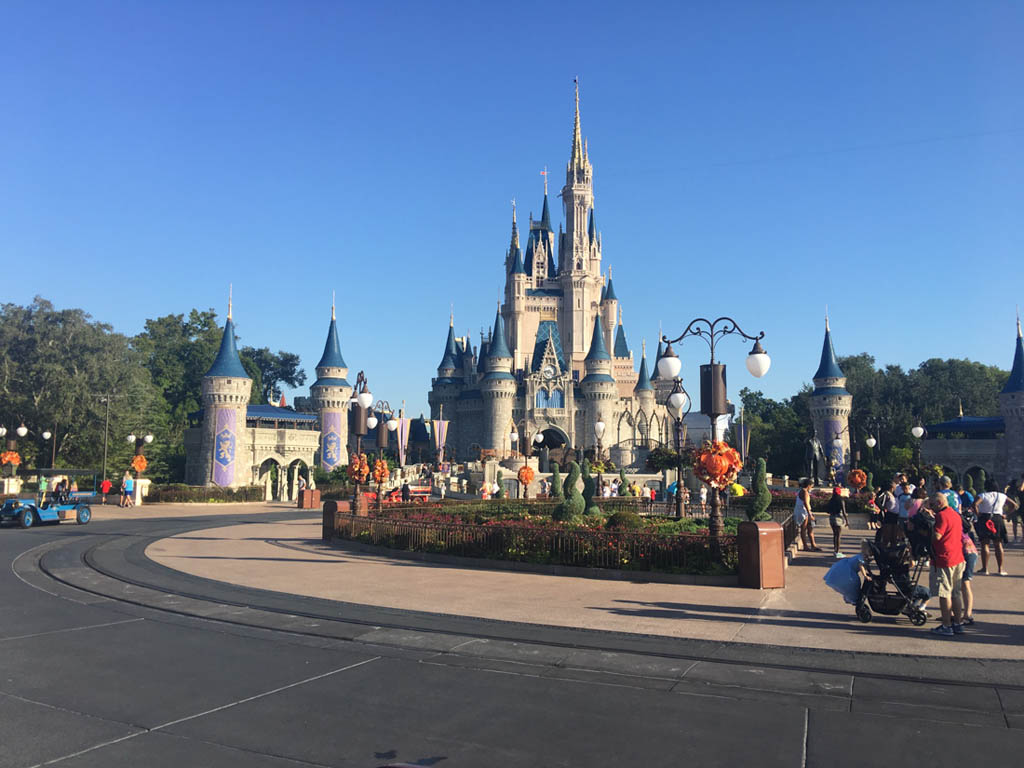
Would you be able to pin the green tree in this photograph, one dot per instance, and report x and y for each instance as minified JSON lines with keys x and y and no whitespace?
{"x":661,"y":459}
{"x":57,"y":369}
{"x":762,"y":496}
{"x":275,"y":370}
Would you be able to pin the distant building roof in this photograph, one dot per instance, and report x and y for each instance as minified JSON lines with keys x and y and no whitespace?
{"x":273,"y":413}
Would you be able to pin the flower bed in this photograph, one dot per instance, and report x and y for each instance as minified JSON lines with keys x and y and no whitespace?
{"x":539,"y":539}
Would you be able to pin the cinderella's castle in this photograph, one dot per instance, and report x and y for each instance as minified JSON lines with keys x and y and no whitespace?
{"x":556,"y":361}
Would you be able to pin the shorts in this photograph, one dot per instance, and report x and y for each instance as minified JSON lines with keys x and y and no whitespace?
{"x":971,"y":561}
{"x":985,"y":534}
{"x":950,"y":580}
{"x":836,"y":521}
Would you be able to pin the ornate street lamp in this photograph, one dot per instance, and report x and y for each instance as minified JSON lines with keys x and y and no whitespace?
{"x":712,"y":381}
{"x":678,"y":402}
{"x":599,"y":431}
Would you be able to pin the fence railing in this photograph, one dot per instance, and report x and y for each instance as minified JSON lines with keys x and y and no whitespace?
{"x":681,"y":553}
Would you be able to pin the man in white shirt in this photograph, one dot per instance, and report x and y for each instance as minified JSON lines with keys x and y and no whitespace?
{"x":991,"y":508}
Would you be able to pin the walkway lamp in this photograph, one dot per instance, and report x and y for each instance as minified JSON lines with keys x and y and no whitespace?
{"x":712,"y":381}
{"x":599,"y":432}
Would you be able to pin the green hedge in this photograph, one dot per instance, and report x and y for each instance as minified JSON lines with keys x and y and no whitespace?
{"x":178,"y":494}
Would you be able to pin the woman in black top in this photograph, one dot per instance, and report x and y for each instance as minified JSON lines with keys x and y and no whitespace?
{"x":837,"y":518}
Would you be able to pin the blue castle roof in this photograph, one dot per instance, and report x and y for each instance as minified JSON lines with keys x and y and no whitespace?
{"x":332,"y":349}
{"x":450,"y":353}
{"x":609,"y":293}
{"x":499,"y":347}
{"x":828,"y":368}
{"x":598,"y":350}
{"x":657,"y":357}
{"x":227,"y":363}
{"x":643,"y":382}
{"x":621,"y":347}
{"x":548,"y":329}
{"x":1016,"y":381}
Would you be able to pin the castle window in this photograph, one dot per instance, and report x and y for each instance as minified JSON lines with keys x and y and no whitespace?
{"x":553,"y":399}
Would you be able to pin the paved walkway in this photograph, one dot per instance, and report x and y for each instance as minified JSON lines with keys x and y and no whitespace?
{"x":289,"y":557}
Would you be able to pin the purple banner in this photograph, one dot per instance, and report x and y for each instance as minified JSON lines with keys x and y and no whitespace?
{"x":440,"y":435}
{"x":224,"y":444}
{"x":403,"y":439}
{"x":331,"y":449}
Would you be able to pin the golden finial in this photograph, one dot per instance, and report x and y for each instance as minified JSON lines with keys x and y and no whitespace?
{"x":544,"y":173}
{"x":960,"y":405}
{"x":230,"y":287}
{"x":451,"y":315}
{"x":1018,"y":321}
{"x":513,"y":210}
{"x":826,"y":319}
{"x":643,"y":346}
{"x":332,"y":305}
{"x":620,"y":314}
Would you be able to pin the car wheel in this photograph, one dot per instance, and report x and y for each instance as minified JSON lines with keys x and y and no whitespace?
{"x":26,"y":517}
{"x":84,"y":514}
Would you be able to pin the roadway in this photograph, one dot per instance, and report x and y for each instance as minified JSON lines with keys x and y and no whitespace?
{"x":108,"y":659}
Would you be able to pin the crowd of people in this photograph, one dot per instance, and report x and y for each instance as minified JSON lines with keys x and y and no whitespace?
{"x":949,"y":530}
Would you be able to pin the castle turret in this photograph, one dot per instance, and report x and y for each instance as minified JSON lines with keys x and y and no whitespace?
{"x":498,"y":388}
{"x":516,"y":286}
{"x":609,"y":306}
{"x":224,"y":442}
{"x":830,"y":407}
{"x":455,"y":366}
{"x":644,"y":390}
{"x":330,"y":393}
{"x":598,"y":387}
{"x":1011,"y":406}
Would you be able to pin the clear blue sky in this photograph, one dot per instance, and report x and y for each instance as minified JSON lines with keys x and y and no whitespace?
{"x":753,"y":159}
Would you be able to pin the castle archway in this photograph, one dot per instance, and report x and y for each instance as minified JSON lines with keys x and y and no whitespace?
{"x":272,"y":476}
{"x":555,"y":444}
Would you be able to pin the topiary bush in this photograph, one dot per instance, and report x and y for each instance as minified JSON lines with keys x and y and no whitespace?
{"x":762,"y":496}
{"x":622,"y":483}
{"x":969,"y":484}
{"x":572,"y":505}
{"x":589,"y":488}
{"x":500,"y":493}
{"x":870,"y":486}
{"x":624,"y":521}
{"x":557,"y":491}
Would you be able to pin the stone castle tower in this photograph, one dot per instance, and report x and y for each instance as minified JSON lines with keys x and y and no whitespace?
{"x":224,"y":440}
{"x":830,"y":407}
{"x":1011,"y":407}
{"x":330,"y":394}
{"x":557,"y":358}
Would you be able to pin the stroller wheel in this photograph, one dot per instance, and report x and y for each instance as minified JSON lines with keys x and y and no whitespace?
{"x":919,"y":618}
{"x":863,"y":612}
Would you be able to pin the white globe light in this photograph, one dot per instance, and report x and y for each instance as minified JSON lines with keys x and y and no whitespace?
{"x":538,"y":438}
{"x":365,"y":399}
{"x":871,"y":442}
{"x":758,"y":364}
{"x":599,"y":428}
{"x":130,"y":438}
{"x":22,"y":430}
{"x":3,"y":431}
{"x":669,"y":367}
{"x":148,"y":438}
{"x":46,"y":435}
{"x":371,"y":422}
{"x":514,"y":437}
{"x":678,"y":400}
{"x":917,"y":431}
{"x":392,"y":425}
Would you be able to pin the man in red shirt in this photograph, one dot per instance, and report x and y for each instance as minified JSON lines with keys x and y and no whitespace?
{"x":948,"y":558}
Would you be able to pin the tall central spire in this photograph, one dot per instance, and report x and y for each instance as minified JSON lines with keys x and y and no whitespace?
{"x":576,"y":155}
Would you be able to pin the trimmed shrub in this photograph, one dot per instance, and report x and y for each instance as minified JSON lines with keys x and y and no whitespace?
{"x":589,"y":488}
{"x":969,"y":483}
{"x":500,"y":493}
{"x":194,"y":494}
{"x":762,"y":496}
{"x":624,"y":521}
{"x":557,"y":492}
{"x":870,"y":486}
{"x":572,"y":505}
{"x":622,"y":483}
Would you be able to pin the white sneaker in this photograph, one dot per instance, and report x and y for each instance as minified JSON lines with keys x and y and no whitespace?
{"x":839,"y":555}
{"x":1003,"y":573}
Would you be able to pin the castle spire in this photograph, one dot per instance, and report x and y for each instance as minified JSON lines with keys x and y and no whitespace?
{"x":229,"y":300}
{"x":331,"y":357}
{"x":828,"y":368}
{"x":621,"y":347}
{"x":576,"y":154}
{"x":598,"y":350}
{"x":591,"y":229}
{"x":643,"y":381}
{"x":499,"y":347}
{"x":227,"y":363}
{"x":1015,"y":383}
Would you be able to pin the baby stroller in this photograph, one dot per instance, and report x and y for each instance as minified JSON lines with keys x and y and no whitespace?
{"x":894,"y":590}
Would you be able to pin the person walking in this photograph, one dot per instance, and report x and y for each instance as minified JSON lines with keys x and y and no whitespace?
{"x":837,"y":518}
{"x":129,"y":489}
{"x":123,"y":502}
{"x":946,"y":489}
{"x":703,"y":499}
{"x":966,"y":498}
{"x":948,"y":558}
{"x":803,"y":517}
{"x":1015,"y":492}
{"x":991,"y":508}
{"x":407,"y":492}
{"x":105,"y":487}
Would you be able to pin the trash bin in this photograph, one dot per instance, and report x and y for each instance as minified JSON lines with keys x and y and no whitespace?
{"x":762,"y":562}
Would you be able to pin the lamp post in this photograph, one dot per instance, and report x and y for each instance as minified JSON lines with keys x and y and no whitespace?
{"x":712,"y":381}
{"x":599,"y":427}
{"x":669,"y":367}
{"x":382,"y":418}
{"x":52,"y":437}
{"x":12,"y":445}
{"x":918,"y":431}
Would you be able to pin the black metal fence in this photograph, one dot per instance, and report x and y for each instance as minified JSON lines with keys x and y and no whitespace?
{"x":681,"y":553}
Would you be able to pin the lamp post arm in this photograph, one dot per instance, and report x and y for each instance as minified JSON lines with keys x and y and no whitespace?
{"x":710,"y":332}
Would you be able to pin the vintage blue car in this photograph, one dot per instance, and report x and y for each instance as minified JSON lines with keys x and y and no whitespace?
{"x":28,"y":513}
